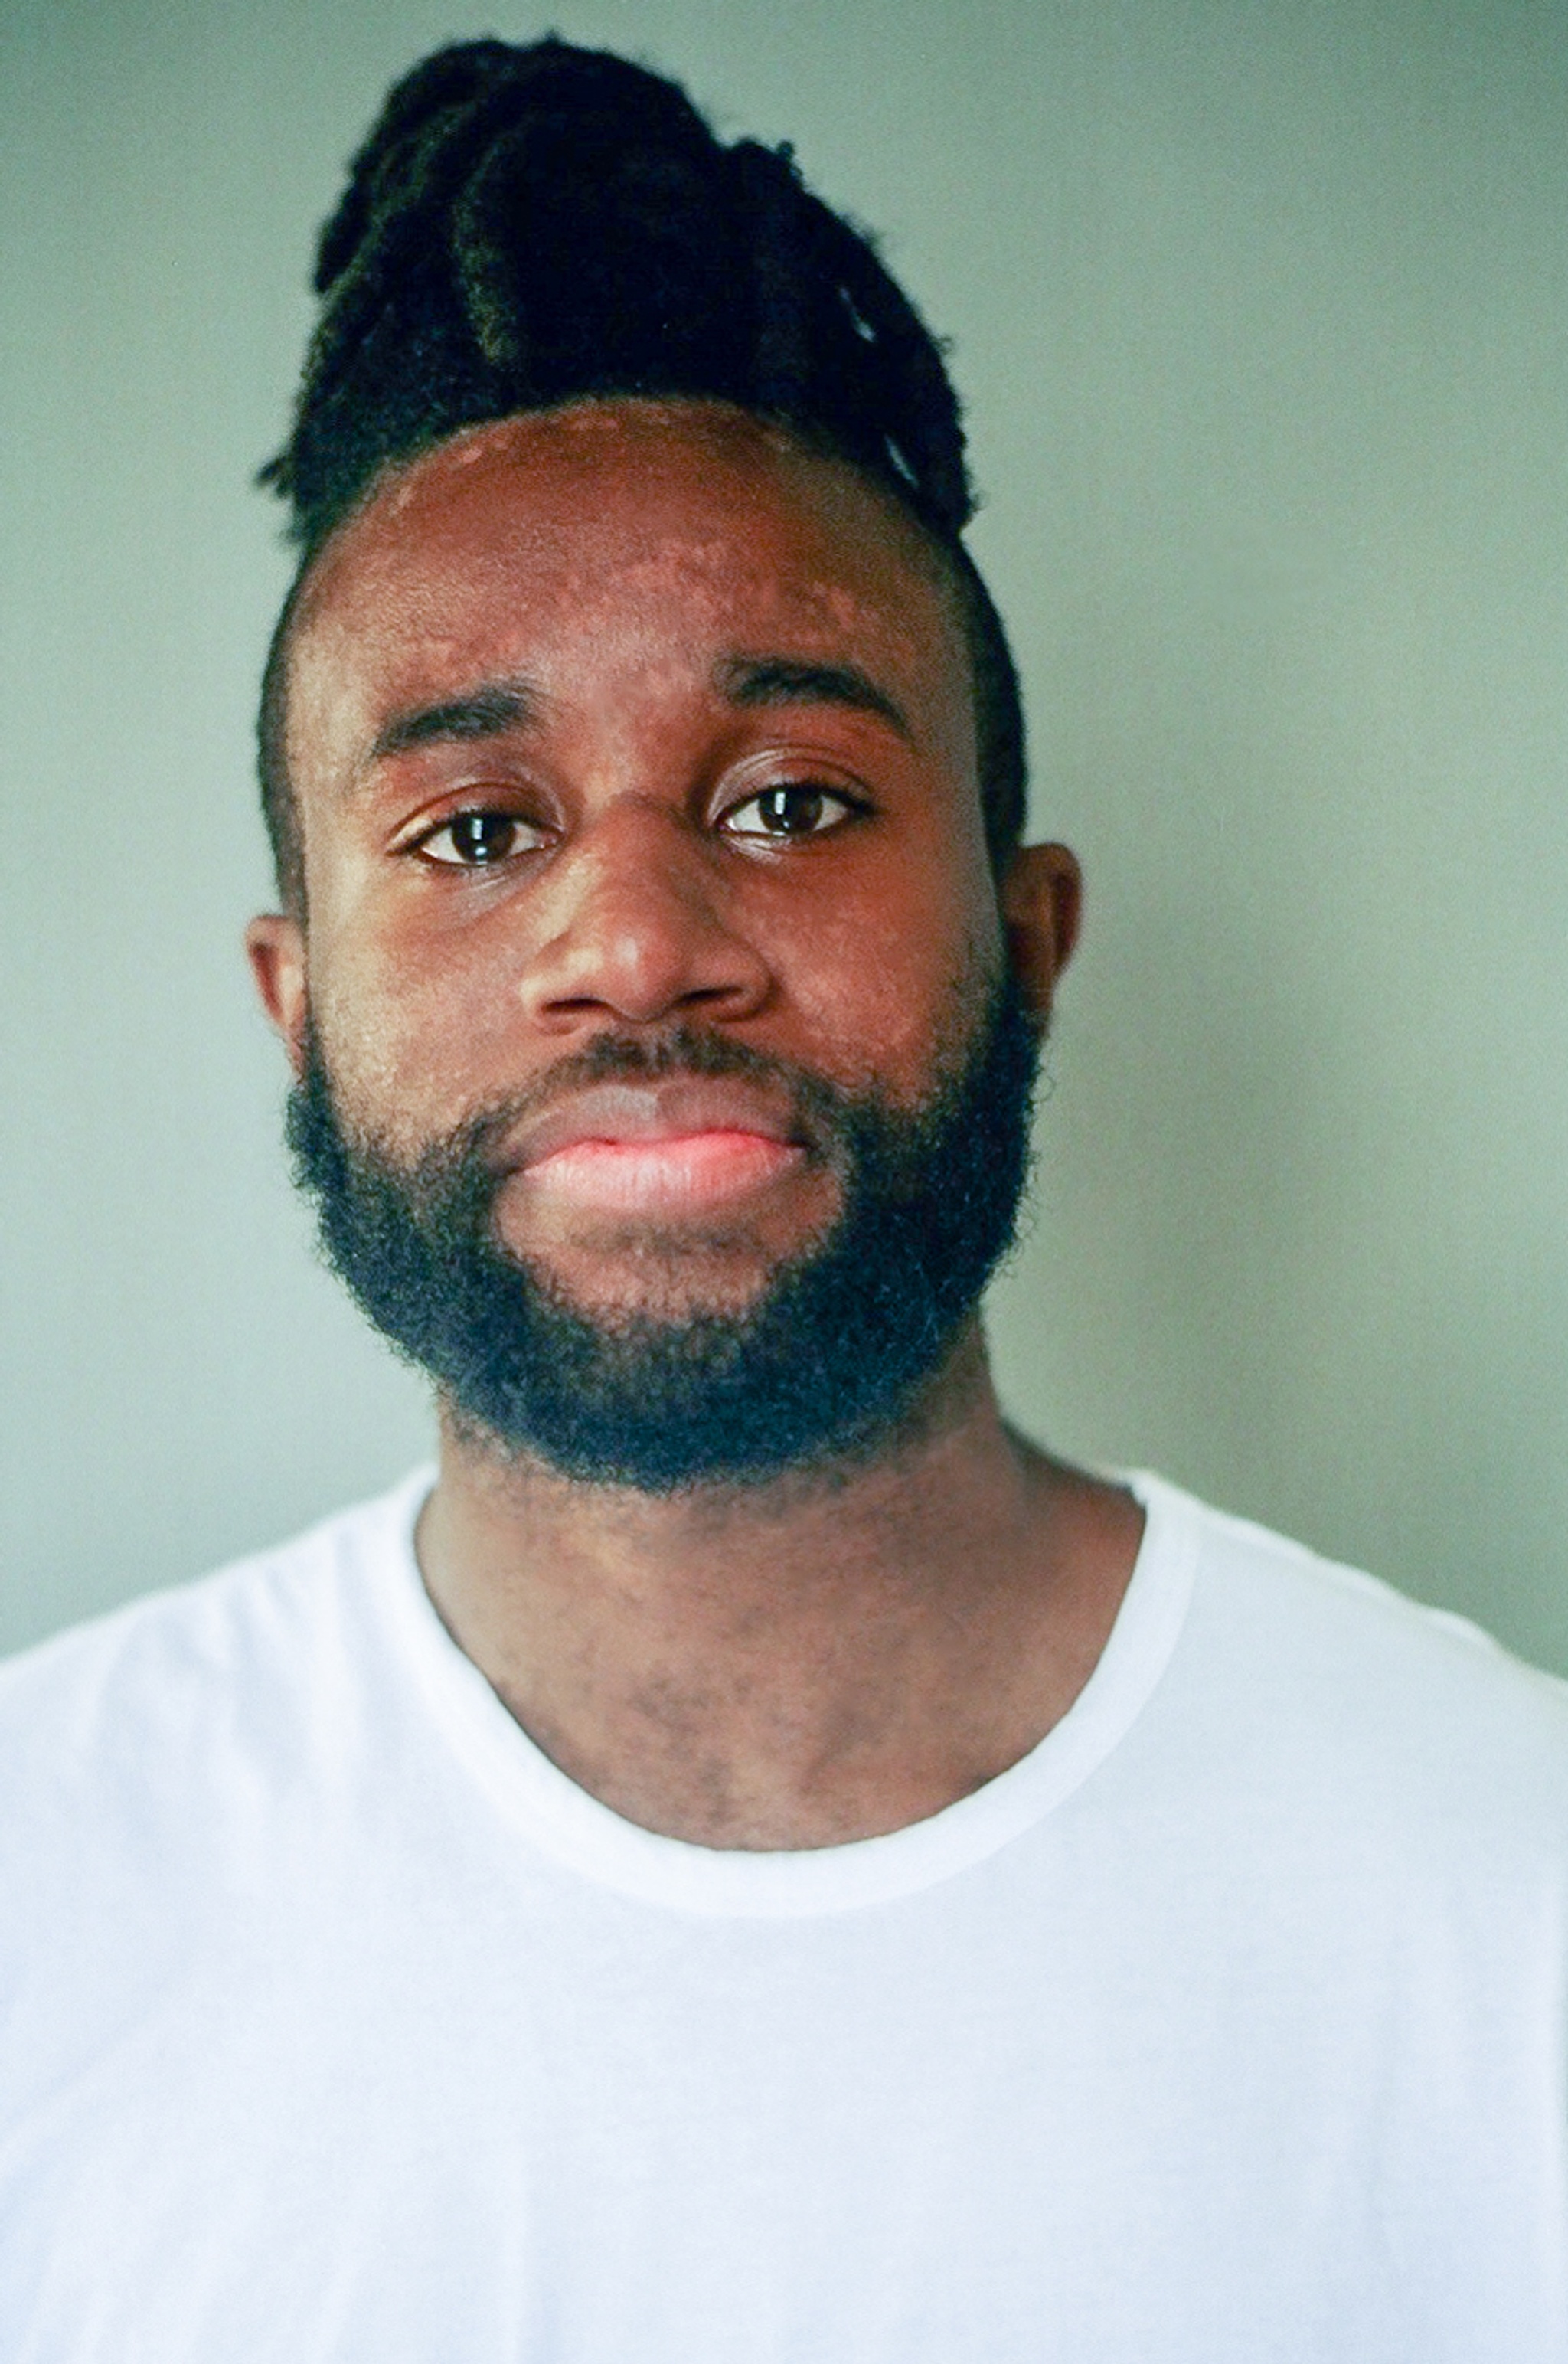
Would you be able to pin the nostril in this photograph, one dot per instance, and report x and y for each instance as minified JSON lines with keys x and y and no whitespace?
{"x":638,"y":956}
{"x":647,"y":1001}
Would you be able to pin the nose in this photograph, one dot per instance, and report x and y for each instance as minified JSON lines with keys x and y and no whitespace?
{"x":632,"y":928}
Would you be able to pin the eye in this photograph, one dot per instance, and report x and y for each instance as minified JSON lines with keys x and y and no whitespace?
{"x":477,"y":840}
{"x":795,"y":809}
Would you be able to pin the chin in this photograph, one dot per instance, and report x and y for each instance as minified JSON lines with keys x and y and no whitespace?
{"x":614,"y":1291}
{"x":669,"y":1273}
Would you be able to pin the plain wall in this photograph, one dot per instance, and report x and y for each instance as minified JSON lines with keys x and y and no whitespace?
{"x":1260,"y":306}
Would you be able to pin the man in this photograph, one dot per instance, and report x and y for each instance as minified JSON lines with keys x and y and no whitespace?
{"x":755,"y":1860}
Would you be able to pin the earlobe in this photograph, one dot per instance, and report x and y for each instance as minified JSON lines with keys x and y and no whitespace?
{"x":1042,"y":907}
{"x":274,"y":945}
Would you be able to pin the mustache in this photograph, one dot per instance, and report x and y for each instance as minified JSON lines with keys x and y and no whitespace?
{"x":474,"y":1150}
{"x":684,"y":1051}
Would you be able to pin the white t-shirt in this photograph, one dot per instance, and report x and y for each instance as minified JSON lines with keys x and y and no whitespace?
{"x":337,"y":2026}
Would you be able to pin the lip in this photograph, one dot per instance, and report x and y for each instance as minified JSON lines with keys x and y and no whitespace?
{"x":680,"y":1143}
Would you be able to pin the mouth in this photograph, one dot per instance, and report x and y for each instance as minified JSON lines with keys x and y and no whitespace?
{"x":661,"y":1149}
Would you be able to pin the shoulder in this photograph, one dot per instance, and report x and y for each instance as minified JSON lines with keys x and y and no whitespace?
{"x":170,"y":1686}
{"x":1352,"y":1690}
{"x":175,"y":1776}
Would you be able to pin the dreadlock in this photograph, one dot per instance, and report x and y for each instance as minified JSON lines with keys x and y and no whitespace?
{"x":529,"y":227}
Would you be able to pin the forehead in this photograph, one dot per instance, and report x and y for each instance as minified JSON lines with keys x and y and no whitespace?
{"x":661,"y":533}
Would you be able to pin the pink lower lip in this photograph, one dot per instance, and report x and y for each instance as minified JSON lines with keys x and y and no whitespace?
{"x":688,"y":1169}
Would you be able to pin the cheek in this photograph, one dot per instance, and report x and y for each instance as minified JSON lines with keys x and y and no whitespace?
{"x":417,"y":1031}
{"x":874,"y":986}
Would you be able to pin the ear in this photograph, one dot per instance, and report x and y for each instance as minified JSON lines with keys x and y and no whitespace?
{"x":274,"y":945}
{"x":1043,"y":905}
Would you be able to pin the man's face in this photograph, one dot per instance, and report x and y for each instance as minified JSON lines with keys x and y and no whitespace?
{"x":617,"y":729}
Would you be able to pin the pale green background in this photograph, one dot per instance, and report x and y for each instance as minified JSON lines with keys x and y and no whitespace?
{"x":1260,"y":310}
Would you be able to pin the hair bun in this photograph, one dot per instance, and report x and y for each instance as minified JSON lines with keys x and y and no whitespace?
{"x":460,"y":98}
{"x":525,"y":227}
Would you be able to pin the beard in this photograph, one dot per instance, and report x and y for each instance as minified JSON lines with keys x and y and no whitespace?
{"x":826,"y":1362}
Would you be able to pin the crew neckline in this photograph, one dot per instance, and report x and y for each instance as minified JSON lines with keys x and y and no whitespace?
{"x":581,"y":1835}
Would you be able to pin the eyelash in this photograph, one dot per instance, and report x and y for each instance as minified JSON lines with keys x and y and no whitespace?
{"x":477,"y":814}
{"x":815,"y":792}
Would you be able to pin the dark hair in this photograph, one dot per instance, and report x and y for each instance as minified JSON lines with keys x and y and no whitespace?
{"x":527,"y":227}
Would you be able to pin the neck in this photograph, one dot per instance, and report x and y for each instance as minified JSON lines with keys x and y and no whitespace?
{"x":824,"y":1656}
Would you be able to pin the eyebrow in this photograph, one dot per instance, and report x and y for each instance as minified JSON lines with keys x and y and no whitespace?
{"x":789,"y":681}
{"x":499,"y":706}
{"x":484,"y":714}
